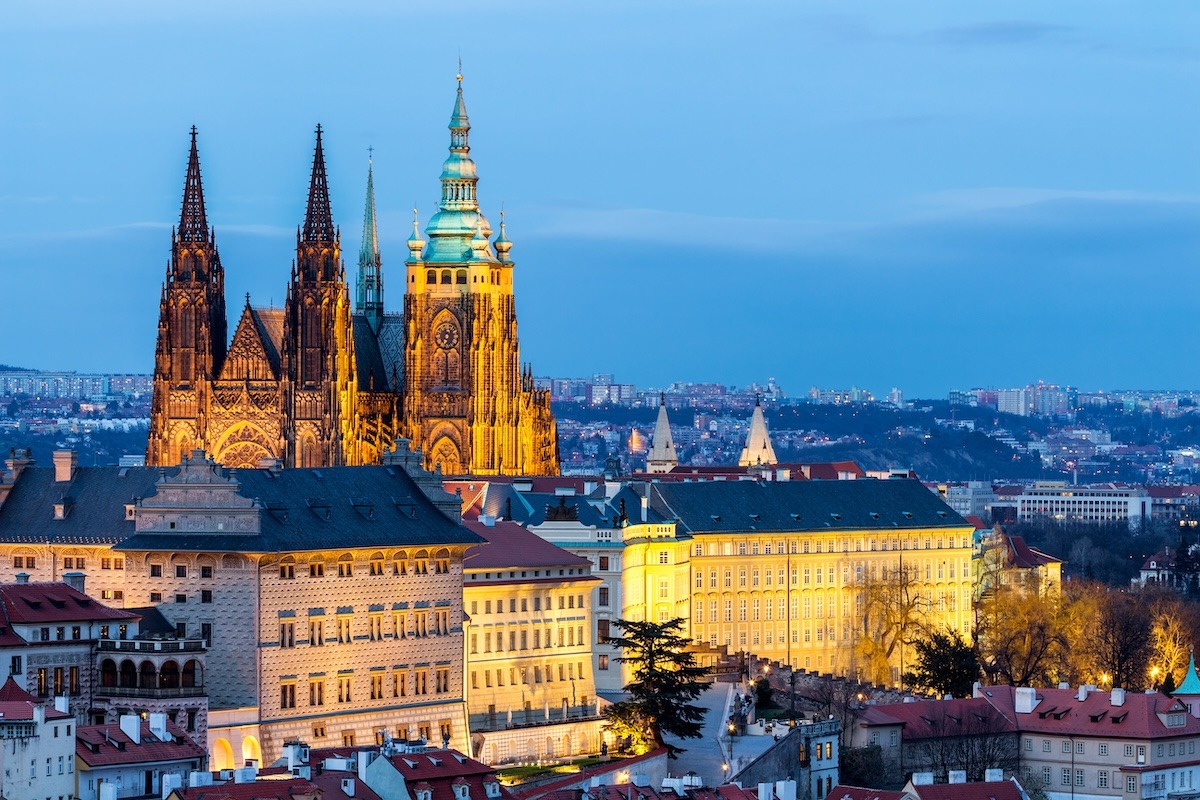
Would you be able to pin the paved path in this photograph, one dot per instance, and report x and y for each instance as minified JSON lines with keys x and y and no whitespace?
{"x":705,"y":756}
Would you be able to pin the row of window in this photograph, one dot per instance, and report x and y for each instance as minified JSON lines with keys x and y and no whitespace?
{"x":794,"y":547}
{"x":405,"y":625}
{"x":564,"y":602}
{"x":181,"y":571}
{"x":518,"y":676}
{"x":57,"y":681}
{"x":206,"y":596}
{"x":424,"y":731}
{"x":403,"y":683}
{"x":376,"y":566}
{"x":567,"y":637}
{"x":824,"y":574}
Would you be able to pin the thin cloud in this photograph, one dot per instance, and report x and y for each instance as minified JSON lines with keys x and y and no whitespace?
{"x":999,"y":33}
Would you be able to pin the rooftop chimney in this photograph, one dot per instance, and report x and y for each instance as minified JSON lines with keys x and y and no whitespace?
{"x":65,"y":462}
{"x":993,"y":775}
{"x":19,"y":458}
{"x":957,"y":776}
{"x":158,"y":726}
{"x":1025,"y":699}
{"x":131,"y":726}
{"x":75,"y":580}
{"x":922,"y":779}
{"x":1118,"y":696}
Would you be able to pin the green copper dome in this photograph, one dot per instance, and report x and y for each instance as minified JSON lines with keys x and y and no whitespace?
{"x":458,"y":220}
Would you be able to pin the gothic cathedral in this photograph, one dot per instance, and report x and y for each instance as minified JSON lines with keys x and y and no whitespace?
{"x":318,"y":383}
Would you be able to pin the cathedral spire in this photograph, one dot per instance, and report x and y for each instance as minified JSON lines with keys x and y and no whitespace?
{"x":458,"y":173}
{"x":370,"y":262}
{"x":318,"y":219}
{"x":662,"y":457}
{"x":193,"y":223}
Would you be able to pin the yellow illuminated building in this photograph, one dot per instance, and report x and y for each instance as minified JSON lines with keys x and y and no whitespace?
{"x":528,"y":646}
{"x":829,"y":576}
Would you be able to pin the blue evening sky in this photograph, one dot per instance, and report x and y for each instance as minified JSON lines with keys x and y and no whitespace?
{"x":931,"y":195}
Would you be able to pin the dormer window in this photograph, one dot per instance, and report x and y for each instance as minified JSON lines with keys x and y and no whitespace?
{"x":424,"y":794}
{"x":462,"y":792}
{"x":492,"y":788}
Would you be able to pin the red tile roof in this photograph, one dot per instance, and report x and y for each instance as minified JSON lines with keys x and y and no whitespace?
{"x":16,"y":703}
{"x":1023,"y":556}
{"x":1059,"y":712}
{"x":440,"y":768}
{"x":511,"y":546}
{"x":34,"y":603}
{"x":331,"y":784}
{"x":983,"y":790}
{"x":931,"y":719}
{"x":859,"y":793}
{"x":104,"y":745}
{"x":294,"y":789}
{"x":552,"y":789}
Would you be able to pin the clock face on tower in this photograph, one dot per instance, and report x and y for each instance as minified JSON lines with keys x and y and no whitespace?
{"x":446,"y":336}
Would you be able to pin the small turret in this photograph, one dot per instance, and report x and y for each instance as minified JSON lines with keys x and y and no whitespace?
{"x":501,"y":243}
{"x":758,"y":451}
{"x":662,"y":457}
{"x":416,"y":245}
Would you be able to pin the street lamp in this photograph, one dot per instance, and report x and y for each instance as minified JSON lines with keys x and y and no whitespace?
{"x":732,"y":729}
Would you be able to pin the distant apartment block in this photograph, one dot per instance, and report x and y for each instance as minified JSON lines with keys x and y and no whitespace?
{"x":71,"y":385}
{"x":1062,"y":502}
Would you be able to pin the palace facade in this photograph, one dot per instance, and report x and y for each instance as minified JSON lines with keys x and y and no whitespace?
{"x":320,"y":382}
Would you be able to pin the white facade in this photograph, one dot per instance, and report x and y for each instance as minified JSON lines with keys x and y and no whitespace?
{"x":38,"y":756}
{"x":1084,"y":504}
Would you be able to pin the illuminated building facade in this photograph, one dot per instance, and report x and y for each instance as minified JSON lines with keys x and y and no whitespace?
{"x":321,"y":383}
{"x":331,"y":598}
{"x":529,"y":646}
{"x":820,"y":574}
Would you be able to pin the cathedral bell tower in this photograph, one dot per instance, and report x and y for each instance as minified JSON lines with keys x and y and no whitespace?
{"x":467,"y":404}
{"x":191,"y":328}
{"x":318,"y":366}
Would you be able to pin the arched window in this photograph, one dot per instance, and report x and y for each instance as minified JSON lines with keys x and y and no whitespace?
{"x":128,"y":677}
{"x":446,"y":276}
{"x":108,"y":673}
{"x":148,"y":676}
{"x":169,"y":678}
{"x":431,"y":276}
{"x":462,"y":276}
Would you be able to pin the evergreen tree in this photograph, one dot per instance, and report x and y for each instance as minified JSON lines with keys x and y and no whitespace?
{"x":945,"y":665}
{"x":665,"y":680}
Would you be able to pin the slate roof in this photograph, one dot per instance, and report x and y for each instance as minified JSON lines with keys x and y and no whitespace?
{"x":368,"y":358}
{"x":509,"y":545}
{"x":318,"y":509}
{"x":97,"y":509}
{"x":106,"y":745}
{"x":369,"y":506}
{"x":734,"y":506}
{"x":38,"y":603}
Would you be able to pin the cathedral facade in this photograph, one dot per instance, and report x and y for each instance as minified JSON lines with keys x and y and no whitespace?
{"x":320,"y":382}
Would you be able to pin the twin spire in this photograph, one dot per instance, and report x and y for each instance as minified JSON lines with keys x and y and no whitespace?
{"x":318,"y":218}
{"x":193,"y":223}
{"x":370,"y":262}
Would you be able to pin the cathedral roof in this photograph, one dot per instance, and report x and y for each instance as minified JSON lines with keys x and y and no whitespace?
{"x":269,"y":322}
{"x":817,"y":506}
{"x":372,"y":371}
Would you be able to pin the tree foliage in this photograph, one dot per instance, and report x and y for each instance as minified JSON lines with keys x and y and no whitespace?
{"x":665,"y":681}
{"x":945,"y":665}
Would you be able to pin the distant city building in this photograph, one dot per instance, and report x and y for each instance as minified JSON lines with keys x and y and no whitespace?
{"x":1062,"y":502}
{"x":38,"y":756}
{"x":72,"y":385}
{"x":135,"y":758}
